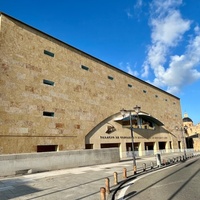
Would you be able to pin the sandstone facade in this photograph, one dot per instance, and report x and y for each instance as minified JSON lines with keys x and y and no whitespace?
{"x":54,"y":95}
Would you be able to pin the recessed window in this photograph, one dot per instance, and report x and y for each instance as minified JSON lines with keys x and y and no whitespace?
{"x":48,"y":114}
{"x":165,"y":99}
{"x":84,"y":67}
{"x":48,"y":53}
{"x":156,"y":96}
{"x":48,"y":82}
{"x":144,"y":91}
{"x":110,"y":77}
{"x":129,"y":85}
{"x":46,"y":148}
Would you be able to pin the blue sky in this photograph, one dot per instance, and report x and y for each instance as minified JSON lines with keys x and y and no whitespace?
{"x":157,"y":41}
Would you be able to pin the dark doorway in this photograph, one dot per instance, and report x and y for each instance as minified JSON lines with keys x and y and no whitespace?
{"x":129,"y":146}
{"x":149,"y":146}
{"x":109,"y":145}
{"x":88,"y":146}
{"x":162,"y":145}
{"x":129,"y":149}
{"x":179,"y":144}
{"x":189,"y":143}
{"x":46,"y":148}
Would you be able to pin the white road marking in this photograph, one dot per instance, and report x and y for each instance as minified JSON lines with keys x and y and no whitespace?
{"x":124,"y":189}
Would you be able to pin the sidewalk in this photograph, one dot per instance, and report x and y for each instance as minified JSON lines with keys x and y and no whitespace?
{"x":82,"y":183}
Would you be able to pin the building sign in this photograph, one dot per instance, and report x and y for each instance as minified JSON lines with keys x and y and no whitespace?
{"x":129,"y":137}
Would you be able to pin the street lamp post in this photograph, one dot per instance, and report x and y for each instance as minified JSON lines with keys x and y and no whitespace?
{"x":184,"y":143}
{"x":183,"y":139}
{"x":123,"y":112}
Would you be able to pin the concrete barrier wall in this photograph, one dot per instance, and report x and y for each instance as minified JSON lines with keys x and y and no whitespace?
{"x":38,"y":162}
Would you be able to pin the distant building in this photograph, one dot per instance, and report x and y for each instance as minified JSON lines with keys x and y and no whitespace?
{"x":191,"y":133}
{"x":54,"y":97}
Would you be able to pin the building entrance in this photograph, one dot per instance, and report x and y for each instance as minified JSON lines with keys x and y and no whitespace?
{"x":129,"y":148}
{"x":149,"y":148}
{"x":162,"y":145}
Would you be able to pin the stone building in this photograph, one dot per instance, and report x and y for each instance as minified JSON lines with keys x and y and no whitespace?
{"x":191,"y":133}
{"x":55,"y":97}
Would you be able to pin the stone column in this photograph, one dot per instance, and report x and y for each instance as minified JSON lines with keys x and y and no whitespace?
{"x":141,"y":149}
{"x":122,"y":149}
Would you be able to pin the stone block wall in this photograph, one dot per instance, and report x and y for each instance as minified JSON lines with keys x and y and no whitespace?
{"x":82,"y":92}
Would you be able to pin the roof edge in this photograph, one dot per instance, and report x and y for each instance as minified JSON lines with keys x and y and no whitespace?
{"x":95,"y":58}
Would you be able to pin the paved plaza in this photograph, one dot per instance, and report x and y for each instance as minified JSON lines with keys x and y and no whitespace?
{"x":82,"y":183}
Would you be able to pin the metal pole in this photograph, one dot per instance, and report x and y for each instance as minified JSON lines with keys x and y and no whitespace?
{"x":182,"y":131}
{"x":132,"y":138}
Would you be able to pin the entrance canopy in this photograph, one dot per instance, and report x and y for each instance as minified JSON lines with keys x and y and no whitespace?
{"x":196,"y":135}
{"x":142,"y":116}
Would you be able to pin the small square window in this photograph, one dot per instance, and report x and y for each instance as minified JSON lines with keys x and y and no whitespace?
{"x":84,"y":67}
{"x":129,"y":85}
{"x":48,"y":114}
{"x":144,"y":91}
{"x":110,"y":77}
{"x":48,"y":82}
{"x":48,"y":53}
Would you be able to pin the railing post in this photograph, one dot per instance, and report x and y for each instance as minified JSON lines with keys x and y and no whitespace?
{"x":152,"y":165}
{"x":134,"y":170}
{"x":144,"y":167}
{"x":115,"y":178}
{"x":125,"y":173}
{"x":107,"y":185}
{"x":164,"y":162}
{"x":102,"y":193}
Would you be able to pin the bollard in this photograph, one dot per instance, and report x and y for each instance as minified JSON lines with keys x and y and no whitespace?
{"x":164,"y":162}
{"x":102,"y":193}
{"x":125,"y":173}
{"x":107,"y":185}
{"x":152,"y":165}
{"x":115,"y":178}
{"x":134,"y":169}
{"x":144,"y":167}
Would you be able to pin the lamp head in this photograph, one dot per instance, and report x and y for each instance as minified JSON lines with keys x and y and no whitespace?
{"x":123,"y":112}
{"x":137,"y":109}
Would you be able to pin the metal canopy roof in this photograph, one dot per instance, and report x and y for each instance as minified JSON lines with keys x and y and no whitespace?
{"x":143,"y":116}
{"x":194,"y":136}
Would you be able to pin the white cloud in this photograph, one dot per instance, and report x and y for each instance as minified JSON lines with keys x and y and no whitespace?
{"x":161,"y":7}
{"x":129,"y":69}
{"x":128,"y":12}
{"x":168,"y":28}
{"x":181,"y":69}
{"x":138,"y":4}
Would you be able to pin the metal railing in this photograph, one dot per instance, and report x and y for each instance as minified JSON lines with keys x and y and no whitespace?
{"x":128,"y":154}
